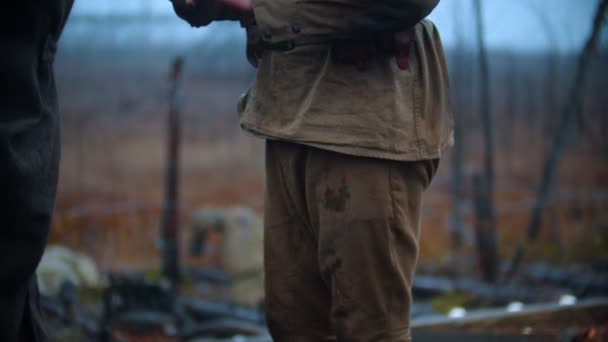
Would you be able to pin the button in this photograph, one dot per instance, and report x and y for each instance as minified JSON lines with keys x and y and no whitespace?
{"x":295,"y":28}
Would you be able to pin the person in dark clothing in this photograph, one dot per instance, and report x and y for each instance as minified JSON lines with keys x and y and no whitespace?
{"x":29,"y":156}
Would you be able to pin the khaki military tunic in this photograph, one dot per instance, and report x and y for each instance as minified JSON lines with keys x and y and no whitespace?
{"x":302,"y":96}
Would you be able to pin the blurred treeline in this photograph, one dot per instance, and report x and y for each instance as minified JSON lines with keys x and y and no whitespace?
{"x":528,"y":91}
{"x":113,"y":89}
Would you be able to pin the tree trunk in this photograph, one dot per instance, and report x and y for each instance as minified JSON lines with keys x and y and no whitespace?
{"x":485,"y":231}
{"x":486,"y":221}
{"x":169,"y":224}
{"x":511,"y":109}
{"x":456,"y":224}
{"x":551,"y":78}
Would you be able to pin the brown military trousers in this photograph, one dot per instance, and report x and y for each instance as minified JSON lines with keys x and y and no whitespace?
{"x":341,"y":243}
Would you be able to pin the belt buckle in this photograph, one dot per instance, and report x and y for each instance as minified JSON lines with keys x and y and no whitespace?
{"x":285,"y":45}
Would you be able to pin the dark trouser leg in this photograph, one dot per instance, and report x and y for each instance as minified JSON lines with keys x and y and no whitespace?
{"x":353,"y":221}
{"x":297,"y":300}
{"x":29,"y":155}
{"x":368,"y":216}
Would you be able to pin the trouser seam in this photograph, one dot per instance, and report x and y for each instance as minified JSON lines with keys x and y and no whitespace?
{"x":292,"y":211}
{"x":292,"y":203}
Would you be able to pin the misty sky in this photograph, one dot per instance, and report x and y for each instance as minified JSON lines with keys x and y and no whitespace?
{"x":511,"y":24}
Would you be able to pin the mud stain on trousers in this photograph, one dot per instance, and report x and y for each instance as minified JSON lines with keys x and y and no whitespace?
{"x":335,"y":200}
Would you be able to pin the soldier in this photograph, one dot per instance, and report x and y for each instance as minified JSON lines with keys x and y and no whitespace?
{"x":352,"y":99}
{"x":29,"y":156}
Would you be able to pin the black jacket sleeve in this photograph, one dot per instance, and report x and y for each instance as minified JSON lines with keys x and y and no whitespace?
{"x":29,"y":156}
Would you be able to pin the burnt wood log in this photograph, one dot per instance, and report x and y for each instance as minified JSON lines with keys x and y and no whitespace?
{"x":428,"y":286}
{"x":542,"y":322}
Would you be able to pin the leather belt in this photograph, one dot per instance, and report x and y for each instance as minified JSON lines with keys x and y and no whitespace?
{"x":356,"y":52}
{"x":290,"y":44}
{"x":361,"y":52}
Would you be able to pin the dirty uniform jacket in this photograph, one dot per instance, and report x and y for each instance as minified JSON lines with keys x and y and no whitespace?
{"x":302,"y":95}
{"x":29,"y":155}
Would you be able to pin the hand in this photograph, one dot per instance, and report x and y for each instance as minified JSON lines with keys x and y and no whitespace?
{"x":184,"y":2}
{"x":244,"y":5}
{"x":202,"y":12}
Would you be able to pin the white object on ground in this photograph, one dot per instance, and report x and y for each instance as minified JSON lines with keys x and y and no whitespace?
{"x":566,"y":300}
{"x":60,"y":265}
{"x":515,"y":307}
{"x":241,"y":250}
{"x":457,"y":312}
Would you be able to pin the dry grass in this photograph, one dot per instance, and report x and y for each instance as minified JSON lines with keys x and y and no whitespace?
{"x":113,"y":165}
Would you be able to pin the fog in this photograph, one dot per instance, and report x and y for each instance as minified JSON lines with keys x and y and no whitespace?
{"x":516,"y":25}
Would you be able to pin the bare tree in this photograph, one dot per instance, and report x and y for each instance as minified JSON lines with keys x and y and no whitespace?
{"x":510,"y":107}
{"x":551,"y":77}
{"x":484,"y":185}
{"x":550,"y":103}
{"x":530,"y":108}
{"x":170,"y":212}
{"x":456,"y":224}
{"x":569,"y":112}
